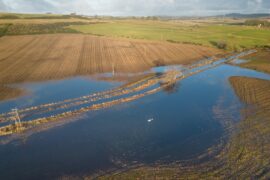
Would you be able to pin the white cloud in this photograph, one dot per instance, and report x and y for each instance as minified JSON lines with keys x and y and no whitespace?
{"x":137,"y":7}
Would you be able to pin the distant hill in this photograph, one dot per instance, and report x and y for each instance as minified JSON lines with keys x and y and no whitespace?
{"x":238,"y":15}
{"x":232,"y":15}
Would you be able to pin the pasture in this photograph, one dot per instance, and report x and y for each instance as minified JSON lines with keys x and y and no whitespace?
{"x":228,"y":34}
{"x":236,"y":37}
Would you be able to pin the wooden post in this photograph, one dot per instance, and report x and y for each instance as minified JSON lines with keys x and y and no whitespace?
{"x":113,"y":69}
{"x":17,"y":119}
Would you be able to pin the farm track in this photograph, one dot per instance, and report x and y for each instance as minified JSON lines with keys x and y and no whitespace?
{"x":131,"y":87}
{"x":147,"y":85}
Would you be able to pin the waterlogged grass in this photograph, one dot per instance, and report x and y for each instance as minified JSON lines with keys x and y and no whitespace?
{"x":236,"y":37}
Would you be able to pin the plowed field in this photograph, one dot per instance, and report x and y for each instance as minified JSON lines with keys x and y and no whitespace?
{"x":42,"y":57}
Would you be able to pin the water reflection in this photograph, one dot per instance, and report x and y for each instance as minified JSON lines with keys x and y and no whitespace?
{"x":172,"y":88}
{"x":188,"y":119}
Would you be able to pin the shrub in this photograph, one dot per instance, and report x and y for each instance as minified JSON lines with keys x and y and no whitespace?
{"x":219,"y":44}
{"x":256,"y":22}
{"x":9,"y":17}
{"x":159,"y":62}
{"x":61,"y":27}
{"x":184,"y":42}
{"x":4,"y":28}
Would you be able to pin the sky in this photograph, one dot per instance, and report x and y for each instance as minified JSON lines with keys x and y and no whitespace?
{"x":137,"y":7}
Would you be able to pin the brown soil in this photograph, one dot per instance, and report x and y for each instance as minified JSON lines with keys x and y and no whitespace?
{"x":43,"y":57}
{"x":259,"y":61}
{"x":9,"y":93}
{"x":252,"y":90}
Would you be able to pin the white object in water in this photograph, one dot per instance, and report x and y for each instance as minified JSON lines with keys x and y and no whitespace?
{"x":150,"y":120}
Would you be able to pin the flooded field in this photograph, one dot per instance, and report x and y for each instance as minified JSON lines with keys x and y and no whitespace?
{"x":91,"y":126}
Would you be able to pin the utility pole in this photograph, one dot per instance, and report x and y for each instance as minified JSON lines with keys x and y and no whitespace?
{"x":113,"y":69}
{"x":17,"y":119}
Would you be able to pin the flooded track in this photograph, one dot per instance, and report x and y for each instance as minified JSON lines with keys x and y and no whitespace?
{"x":151,"y":83}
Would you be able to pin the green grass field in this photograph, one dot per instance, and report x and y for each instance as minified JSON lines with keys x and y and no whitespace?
{"x":207,"y":32}
{"x":235,"y":37}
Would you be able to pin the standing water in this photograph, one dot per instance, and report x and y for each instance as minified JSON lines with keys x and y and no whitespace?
{"x":175,"y":124}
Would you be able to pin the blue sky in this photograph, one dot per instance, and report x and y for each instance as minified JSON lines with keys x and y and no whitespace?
{"x":137,"y":7}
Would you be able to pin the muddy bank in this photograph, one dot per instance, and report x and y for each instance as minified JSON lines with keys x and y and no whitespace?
{"x":259,"y":61}
{"x":7,"y":93}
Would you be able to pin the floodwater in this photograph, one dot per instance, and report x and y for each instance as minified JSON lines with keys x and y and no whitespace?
{"x":175,"y":124}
